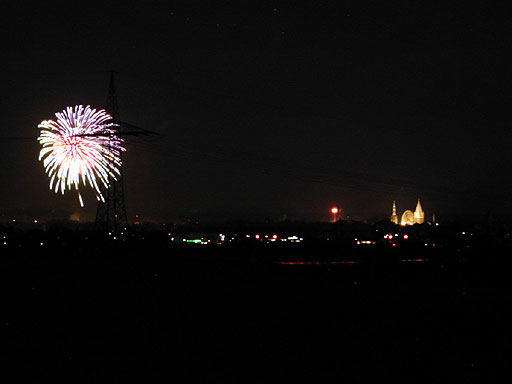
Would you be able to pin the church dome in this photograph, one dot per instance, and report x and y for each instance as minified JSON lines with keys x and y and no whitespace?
{"x":408,"y":218}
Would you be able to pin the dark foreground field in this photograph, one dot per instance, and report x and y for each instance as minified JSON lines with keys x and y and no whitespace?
{"x":154,"y":316}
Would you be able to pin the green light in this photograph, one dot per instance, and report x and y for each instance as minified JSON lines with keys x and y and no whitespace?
{"x":195,"y":241}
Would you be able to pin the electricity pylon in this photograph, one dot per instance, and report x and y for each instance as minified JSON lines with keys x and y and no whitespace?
{"x":111,"y":213}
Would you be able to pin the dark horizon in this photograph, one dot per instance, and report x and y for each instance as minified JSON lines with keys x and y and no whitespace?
{"x":8,"y":218}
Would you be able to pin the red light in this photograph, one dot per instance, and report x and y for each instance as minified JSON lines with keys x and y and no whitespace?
{"x":406,"y":237}
{"x":274,"y":237}
{"x":334,"y":210}
{"x":257,"y":236}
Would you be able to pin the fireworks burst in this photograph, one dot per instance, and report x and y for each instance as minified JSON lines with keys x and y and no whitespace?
{"x":80,"y":146}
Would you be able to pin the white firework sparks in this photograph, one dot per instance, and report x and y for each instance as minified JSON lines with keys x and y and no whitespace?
{"x":80,"y":146}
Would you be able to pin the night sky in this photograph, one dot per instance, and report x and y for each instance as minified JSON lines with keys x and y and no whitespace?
{"x":268,"y":108}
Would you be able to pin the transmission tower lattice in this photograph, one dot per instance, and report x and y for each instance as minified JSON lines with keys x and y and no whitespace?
{"x":111,"y":214}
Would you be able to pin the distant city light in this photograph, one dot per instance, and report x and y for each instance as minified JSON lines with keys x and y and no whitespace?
{"x":293,"y":239}
{"x":334,"y":212}
{"x":406,"y":237}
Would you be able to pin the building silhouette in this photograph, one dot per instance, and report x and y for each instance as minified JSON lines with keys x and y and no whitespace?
{"x":394,"y":216}
{"x":409,"y":217}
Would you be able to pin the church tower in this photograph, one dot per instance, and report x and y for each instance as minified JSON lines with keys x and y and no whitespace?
{"x":394,"y":216}
{"x":419,"y":215}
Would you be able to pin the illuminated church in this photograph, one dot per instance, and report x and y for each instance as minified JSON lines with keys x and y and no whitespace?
{"x":409,"y":217}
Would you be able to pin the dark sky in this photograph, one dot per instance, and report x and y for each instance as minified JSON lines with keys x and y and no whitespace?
{"x":268,"y":108}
